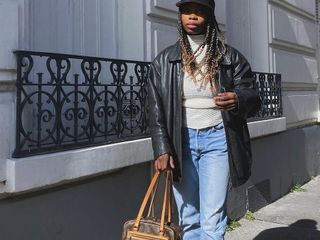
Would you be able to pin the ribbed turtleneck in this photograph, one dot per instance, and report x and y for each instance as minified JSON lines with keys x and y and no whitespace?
{"x":195,"y":41}
{"x":198,"y":106}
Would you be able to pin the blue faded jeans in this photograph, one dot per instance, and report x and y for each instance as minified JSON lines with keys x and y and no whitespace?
{"x":201,"y":195}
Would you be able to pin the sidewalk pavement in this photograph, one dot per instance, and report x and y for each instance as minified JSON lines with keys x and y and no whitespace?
{"x":296,"y":216}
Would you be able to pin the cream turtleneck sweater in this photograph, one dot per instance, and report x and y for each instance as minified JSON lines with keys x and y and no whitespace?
{"x":199,"y":110}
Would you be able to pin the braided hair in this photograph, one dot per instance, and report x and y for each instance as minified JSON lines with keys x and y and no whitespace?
{"x":215,"y":51}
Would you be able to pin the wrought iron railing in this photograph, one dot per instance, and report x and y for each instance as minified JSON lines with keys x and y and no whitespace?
{"x":269,"y":87}
{"x":68,"y":101}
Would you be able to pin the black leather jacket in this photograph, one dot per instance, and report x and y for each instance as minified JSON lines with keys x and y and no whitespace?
{"x":165,"y":109}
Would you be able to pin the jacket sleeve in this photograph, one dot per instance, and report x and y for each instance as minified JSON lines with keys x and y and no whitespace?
{"x":155,"y":114}
{"x":249,"y":101}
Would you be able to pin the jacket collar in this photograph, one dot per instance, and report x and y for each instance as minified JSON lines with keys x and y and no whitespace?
{"x":175,"y":54}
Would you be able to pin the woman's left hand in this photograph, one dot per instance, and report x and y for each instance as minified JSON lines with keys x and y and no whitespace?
{"x":226,"y":101}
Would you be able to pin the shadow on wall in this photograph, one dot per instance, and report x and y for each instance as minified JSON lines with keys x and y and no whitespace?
{"x":279,"y":162}
{"x":305,"y":149}
{"x":285,"y":159}
{"x":94,"y":208}
{"x":305,"y":229}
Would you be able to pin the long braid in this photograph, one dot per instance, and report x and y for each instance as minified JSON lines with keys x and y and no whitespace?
{"x":189,"y":56}
{"x":215,"y":51}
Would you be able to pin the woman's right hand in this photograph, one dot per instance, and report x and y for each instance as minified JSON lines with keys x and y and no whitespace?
{"x":163,"y":162}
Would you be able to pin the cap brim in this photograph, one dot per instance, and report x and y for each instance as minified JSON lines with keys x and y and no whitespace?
{"x":179,"y":4}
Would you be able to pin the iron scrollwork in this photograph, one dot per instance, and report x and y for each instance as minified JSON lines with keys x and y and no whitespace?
{"x":69,"y":101}
{"x":269,"y":88}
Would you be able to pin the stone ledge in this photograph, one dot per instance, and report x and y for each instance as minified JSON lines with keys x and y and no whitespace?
{"x":267,"y":127}
{"x":31,"y":173}
{"x":37,"y":172}
{"x":303,"y":123}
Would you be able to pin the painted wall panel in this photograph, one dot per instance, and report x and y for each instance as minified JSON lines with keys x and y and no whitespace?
{"x":290,"y":28}
{"x":162,"y":10}
{"x":131,"y":29}
{"x":300,"y":107}
{"x":247,"y":30}
{"x":238,"y":26}
{"x":165,"y":4}
{"x":162,"y":37}
{"x":9,"y":35}
{"x":220,"y":11}
{"x":91,"y":27}
{"x":306,"y":5}
{"x":108,"y":29}
{"x":295,"y":34}
{"x":48,"y":24}
{"x":7,"y":130}
{"x":259,"y":34}
{"x":76,"y":27}
{"x":295,"y":67}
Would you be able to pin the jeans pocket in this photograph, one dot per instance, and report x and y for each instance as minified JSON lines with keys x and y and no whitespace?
{"x":219,"y":126}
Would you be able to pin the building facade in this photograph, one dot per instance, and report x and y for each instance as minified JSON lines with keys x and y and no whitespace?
{"x":88,"y":192}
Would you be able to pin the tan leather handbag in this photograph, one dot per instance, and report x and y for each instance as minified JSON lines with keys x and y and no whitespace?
{"x":151,"y":228}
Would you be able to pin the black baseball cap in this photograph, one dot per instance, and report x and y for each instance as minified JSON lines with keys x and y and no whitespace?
{"x":207,"y":3}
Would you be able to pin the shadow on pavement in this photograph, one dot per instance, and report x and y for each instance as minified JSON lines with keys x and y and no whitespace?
{"x":304,"y":229}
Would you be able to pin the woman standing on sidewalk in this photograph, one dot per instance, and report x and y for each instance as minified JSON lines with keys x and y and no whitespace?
{"x":200,"y":93}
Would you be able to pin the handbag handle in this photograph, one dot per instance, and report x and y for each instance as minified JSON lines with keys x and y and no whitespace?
{"x":154,"y":192}
{"x":168,"y":188}
{"x":165,"y":199}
